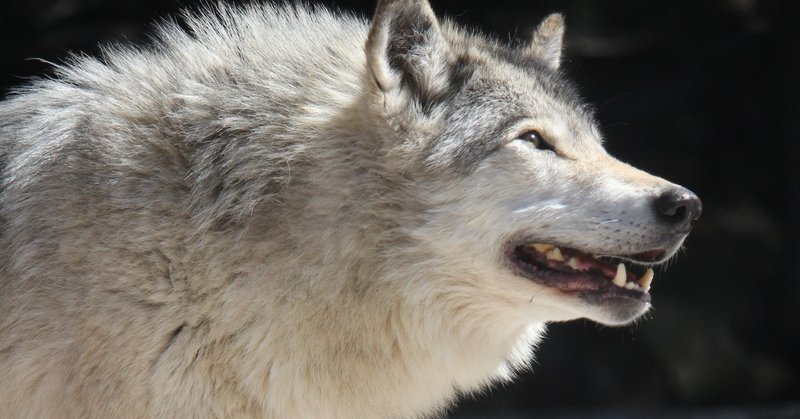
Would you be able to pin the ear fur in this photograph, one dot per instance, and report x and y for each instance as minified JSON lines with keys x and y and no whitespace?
{"x":548,"y":40}
{"x":406,"y":49}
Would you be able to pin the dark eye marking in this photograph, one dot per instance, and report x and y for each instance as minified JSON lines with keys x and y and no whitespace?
{"x":536,"y":139}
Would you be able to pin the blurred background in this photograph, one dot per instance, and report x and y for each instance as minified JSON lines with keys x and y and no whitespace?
{"x":705,"y":94}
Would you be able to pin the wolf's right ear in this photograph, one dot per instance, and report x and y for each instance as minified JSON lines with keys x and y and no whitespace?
{"x":548,"y":41}
{"x":406,"y":49}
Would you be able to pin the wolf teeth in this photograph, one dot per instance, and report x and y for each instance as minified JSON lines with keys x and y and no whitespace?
{"x":552,"y":252}
{"x":646,"y":279}
{"x":573,"y":263}
{"x":622,"y":276}
{"x":555,"y":255}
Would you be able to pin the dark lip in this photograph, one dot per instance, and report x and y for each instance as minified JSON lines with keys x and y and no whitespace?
{"x":589,"y":284}
{"x":614,"y":291}
{"x":604,"y":287}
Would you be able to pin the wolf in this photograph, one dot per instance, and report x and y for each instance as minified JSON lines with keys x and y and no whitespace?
{"x":281,"y":211}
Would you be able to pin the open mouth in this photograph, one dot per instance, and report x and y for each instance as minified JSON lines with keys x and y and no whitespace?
{"x":572,"y":270}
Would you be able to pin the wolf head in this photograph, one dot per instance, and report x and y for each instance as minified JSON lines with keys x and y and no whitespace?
{"x":522,"y":205}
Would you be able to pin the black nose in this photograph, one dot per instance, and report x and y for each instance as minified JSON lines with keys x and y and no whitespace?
{"x":679,"y":207}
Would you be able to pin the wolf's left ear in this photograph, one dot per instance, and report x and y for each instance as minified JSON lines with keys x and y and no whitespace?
{"x":548,"y":40}
{"x":406,"y":48}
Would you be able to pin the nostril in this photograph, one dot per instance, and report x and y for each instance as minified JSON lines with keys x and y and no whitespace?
{"x":680,"y":213}
{"x":679,"y":207}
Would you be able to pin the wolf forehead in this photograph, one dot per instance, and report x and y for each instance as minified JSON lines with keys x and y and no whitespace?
{"x":488,"y":90}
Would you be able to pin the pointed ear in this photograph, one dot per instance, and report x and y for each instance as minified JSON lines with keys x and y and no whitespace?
{"x":548,"y":39}
{"x":406,"y":49}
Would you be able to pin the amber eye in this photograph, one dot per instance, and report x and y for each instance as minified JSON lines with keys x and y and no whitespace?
{"x":536,"y":139}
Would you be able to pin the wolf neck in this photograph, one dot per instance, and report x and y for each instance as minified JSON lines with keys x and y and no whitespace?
{"x":362,"y":323}
{"x":350,"y":341}
{"x":355,"y":323}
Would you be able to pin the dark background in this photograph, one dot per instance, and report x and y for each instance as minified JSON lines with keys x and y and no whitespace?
{"x":702,"y":93}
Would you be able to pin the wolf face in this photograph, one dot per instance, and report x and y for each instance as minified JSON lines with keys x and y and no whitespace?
{"x":513,"y":171}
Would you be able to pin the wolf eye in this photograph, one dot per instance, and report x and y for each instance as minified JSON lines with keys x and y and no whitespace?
{"x":536,"y":139}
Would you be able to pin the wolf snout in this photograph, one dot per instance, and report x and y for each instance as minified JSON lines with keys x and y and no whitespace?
{"x":678,"y":207}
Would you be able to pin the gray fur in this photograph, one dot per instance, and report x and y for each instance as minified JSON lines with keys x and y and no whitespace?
{"x":262,"y":217}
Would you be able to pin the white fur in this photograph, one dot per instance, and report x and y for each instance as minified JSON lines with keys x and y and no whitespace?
{"x":241,"y":221}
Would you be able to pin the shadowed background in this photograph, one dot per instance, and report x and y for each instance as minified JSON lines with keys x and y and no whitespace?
{"x":704,"y":94}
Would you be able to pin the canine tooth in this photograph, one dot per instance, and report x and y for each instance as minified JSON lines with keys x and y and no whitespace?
{"x":572,"y":263}
{"x":621,"y":278}
{"x":541,"y":247}
{"x":556,"y":255}
{"x":647,"y":279}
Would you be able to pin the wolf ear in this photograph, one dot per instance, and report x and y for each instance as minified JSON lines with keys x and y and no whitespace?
{"x":548,"y":39}
{"x":406,"y":49}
